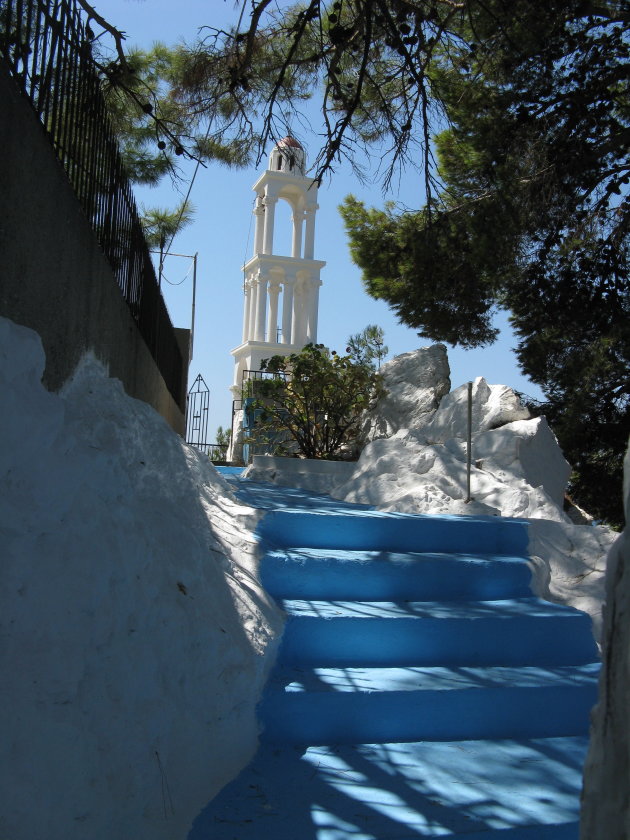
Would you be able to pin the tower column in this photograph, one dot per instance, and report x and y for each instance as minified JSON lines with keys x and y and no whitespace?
{"x":311,"y":332}
{"x":259,"y":213}
{"x":298,"y":222}
{"x":287,"y":310}
{"x":261,"y":307}
{"x":270,"y":212}
{"x":253,"y":300}
{"x":309,"y":238}
{"x":298,"y":334}
{"x":272,"y":324}
{"x":247,"y":309}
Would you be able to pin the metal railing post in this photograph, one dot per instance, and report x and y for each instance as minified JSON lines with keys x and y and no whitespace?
{"x":469,"y":443}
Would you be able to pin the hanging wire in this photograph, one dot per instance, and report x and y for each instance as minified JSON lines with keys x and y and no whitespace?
{"x":184,"y":278}
{"x":190,"y":186}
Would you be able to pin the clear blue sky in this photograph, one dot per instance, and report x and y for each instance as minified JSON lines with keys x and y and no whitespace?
{"x":222,"y":235}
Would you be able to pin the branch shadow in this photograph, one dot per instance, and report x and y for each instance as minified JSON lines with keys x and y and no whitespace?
{"x":396,"y":791}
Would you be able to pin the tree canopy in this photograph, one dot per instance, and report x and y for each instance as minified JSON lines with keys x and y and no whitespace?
{"x":368,"y":346}
{"x":532,"y":217}
{"x":313,"y":402}
{"x":517,"y":114}
{"x":534,"y":166}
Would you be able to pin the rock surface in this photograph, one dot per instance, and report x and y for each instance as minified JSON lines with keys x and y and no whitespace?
{"x":492,"y":406}
{"x":523,"y":453}
{"x":569,"y":565}
{"x":606,"y":791}
{"x":135,"y":632}
{"x":414,"y":383}
{"x":518,"y":471}
{"x":518,"y":468}
{"x":305,"y":473}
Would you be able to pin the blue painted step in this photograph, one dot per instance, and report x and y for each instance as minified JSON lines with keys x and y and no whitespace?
{"x":506,"y":789}
{"x":398,"y":532}
{"x":523,"y":631}
{"x":420,"y":690}
{"x":316,"y":573}
{"x":353,"y":705}
{"x":566,"y":831}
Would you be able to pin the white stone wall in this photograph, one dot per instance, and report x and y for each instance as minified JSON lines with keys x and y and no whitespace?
{"x":135,"y":634}
{"x":606,"y":792}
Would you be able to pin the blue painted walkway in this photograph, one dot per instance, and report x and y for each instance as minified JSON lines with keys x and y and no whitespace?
{"x":420,"y":689}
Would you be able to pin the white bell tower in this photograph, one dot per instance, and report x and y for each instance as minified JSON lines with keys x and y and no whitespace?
{"x":281,"y":292}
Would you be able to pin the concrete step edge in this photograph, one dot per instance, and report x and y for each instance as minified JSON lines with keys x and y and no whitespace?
{"x":294,"y":680}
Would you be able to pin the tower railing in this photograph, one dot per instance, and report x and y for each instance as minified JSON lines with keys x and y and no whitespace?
{"x":251,"y":407}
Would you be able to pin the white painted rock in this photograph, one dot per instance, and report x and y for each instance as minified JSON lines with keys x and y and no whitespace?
{"x":492,"y":406}
{"x":135,"y":633}
{"x":524,"y":451}
{"x":304,"y":473}
{"x":415,"y":383}
{"x":569,"y":565}
{"x":605,"y":800}
{"x":401,"y":473}
{"x":518,"y":468}
{"x":407,"y":474}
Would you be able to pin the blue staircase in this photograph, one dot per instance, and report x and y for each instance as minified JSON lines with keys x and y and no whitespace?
{"x":420,"y":689}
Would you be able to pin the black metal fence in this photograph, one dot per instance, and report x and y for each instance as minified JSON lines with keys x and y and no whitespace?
{"x":197,"y":413}
{"x":197,"y":410}
{"x":249,"y":378}
{"x":257,"y":440}
{"x":49,"y":54}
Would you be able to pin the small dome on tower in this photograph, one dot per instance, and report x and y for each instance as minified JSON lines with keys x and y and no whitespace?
{"x":288,"y":156}
{"x":290,"y":141}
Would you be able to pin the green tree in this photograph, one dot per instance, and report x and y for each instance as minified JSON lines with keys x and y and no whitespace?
{"x":313,"y":402}
{"x":154,"y":124}
{"x":223,"y":436}
{"x":156,"y":128}
{"x":146,"y":121}
{"x":369,"y":60}
{"x":368,"y":347}
{"x":533,"y":166}
{"x":219,"y":450}
{"x":533,"y":218}
{"x":154,"y":131}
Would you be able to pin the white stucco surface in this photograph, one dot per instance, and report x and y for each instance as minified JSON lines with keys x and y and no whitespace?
{"x":308,"y":474}
{"x":414,"y":384}
{"x":134,"y":629}
{"x":492,"y":406}
{"x":606,"y":791}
